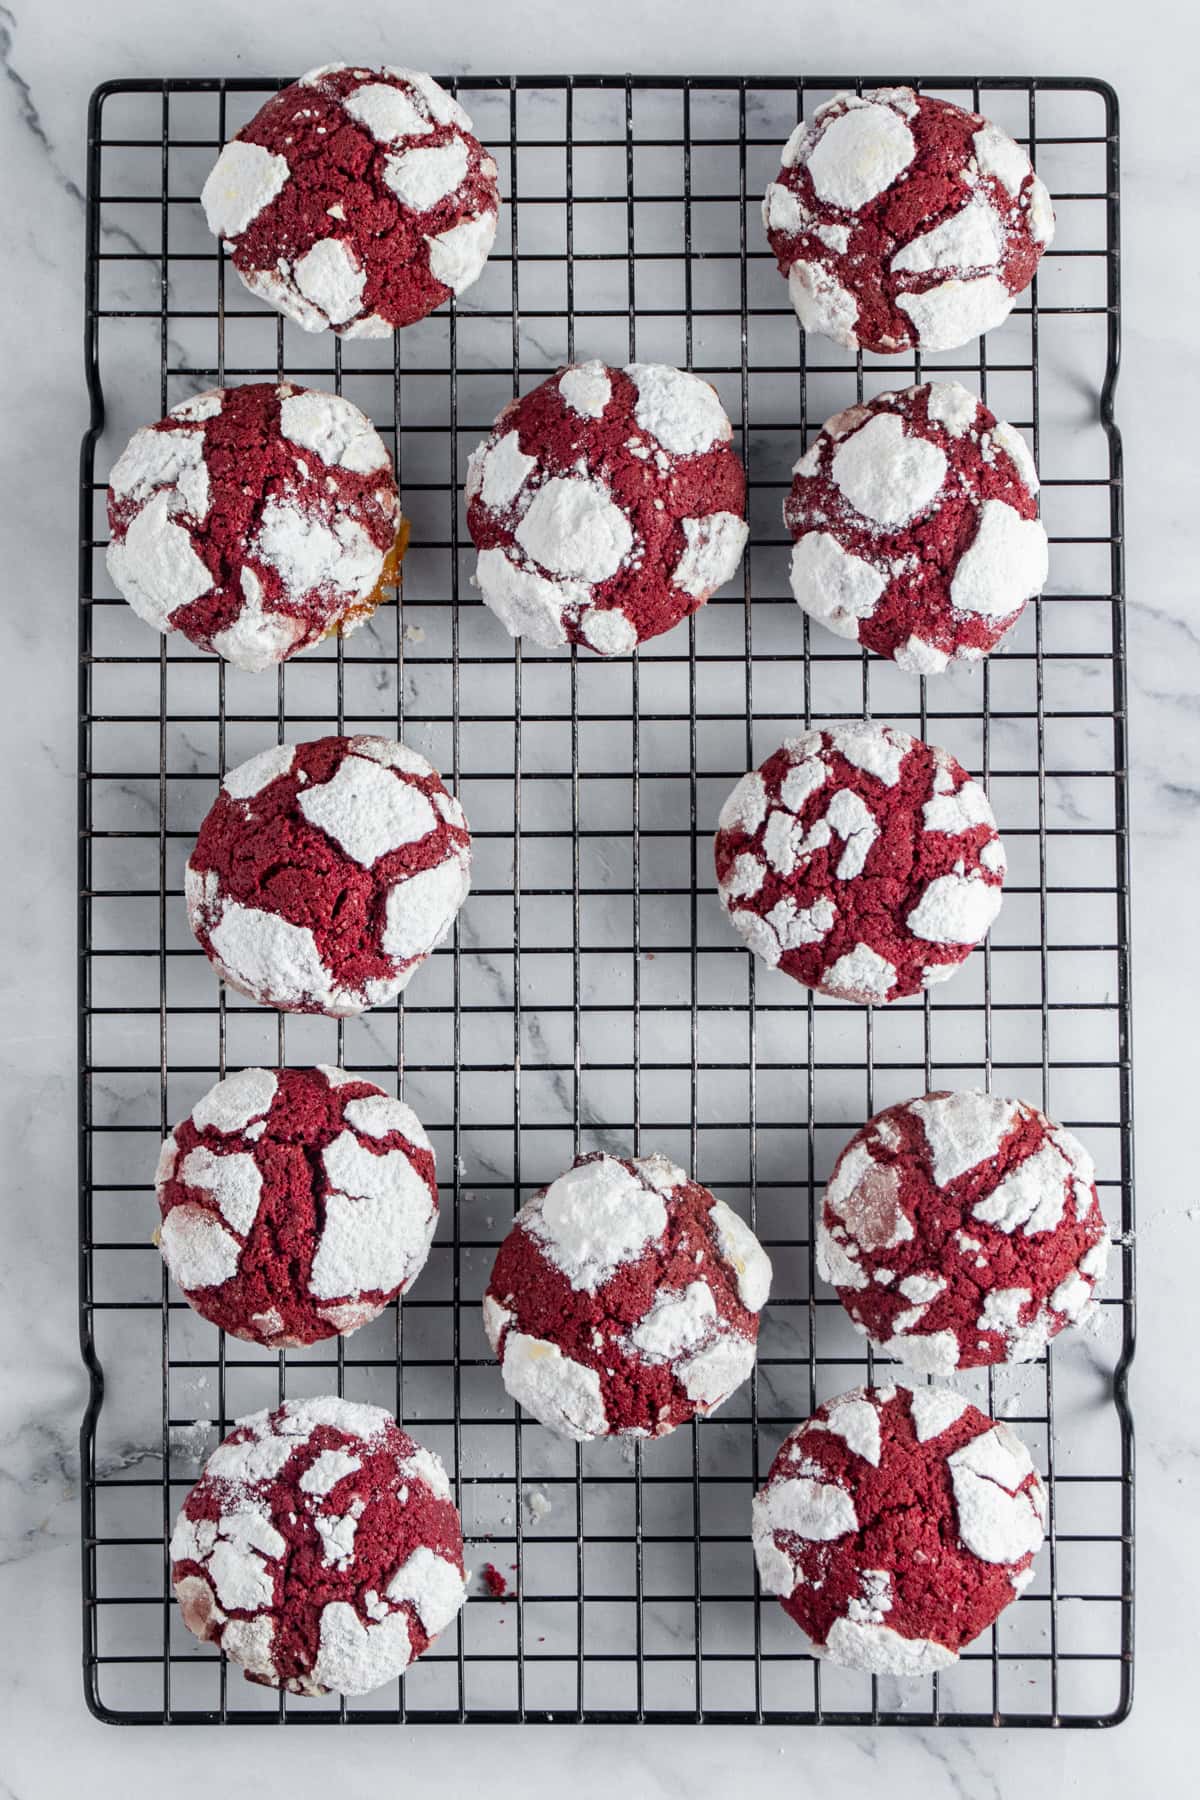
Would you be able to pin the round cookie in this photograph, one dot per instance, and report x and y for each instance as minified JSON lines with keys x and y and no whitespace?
{"x":324,"y":873}
{"x":896,"y":1525}
{"x":356,"y":199}
{"x":255,"y":520}
{"x":902,"y":221}
{"x":606,"y":505}
{"x":915,"y":525}
{"x":320,"y":1548}
{"x":961,"y":1229}
{"x":296,"y":1203}
{"x":625,"y":1300}
{"x":860,"y":861}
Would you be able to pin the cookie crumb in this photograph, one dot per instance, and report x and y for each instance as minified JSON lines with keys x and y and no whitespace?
{"x":538,"y":1505}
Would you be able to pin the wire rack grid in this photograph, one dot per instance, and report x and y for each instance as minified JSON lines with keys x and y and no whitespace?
{"x":593,"y":995}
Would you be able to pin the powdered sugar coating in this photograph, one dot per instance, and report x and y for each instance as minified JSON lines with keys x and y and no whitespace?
{"x":320,"y":1548}
{"x":573,"y":526}
{"x":860,"y":861}
{"x":457,"y":256}
{"x":606,"y":505}
{"x":902,"y":220}
{"x":884,"y":474}
{"x":420,"y":177}
{"x":914,"y":519}
{"x":896,"y":1525}
{"x":625,"y":1300}
{"x":595,"y":1217}
{"x":554,"y":1388}
{"x":858,"y":155}
{"x":256,"y":520}
{"x":366,"y":811}
{"x":356,"y":199}
{"x":1006,"y":560}
{"x":389,"y":113}
{"x":321,"y":887}
{"x":303,"y":1220}
{"x":238,"y":1101}
{"x":1001,"y":1516}
{"x":199,"y":1250}
{"x":681,"y":412}
{"x":586,"y":389}
{"x":745,"y":1255}
{"x":962,"y":1229}
{"x":246,"y":179}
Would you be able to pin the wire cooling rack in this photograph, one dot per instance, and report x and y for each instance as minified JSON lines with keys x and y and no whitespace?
{"x":593,"y":995}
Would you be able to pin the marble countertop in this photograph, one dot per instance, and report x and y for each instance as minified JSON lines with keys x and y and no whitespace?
{"x":53,"y":54}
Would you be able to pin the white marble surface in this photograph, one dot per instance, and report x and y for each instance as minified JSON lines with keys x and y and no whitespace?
{"x":53,"y":52}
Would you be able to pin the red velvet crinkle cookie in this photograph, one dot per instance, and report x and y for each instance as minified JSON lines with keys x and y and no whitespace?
{"x":916,"y":529}
{"x":357,"y":199}
{"x":860,"y":861}
{"x":896,"y":1525}
{"x":325,"y":873}
{"x":320,"y":1548}
{"x":901,"y":221}
{"x":256,"y":520}
{"x":962,"y":1229}
{"x":606,"y":505}
{"x":296,"y":1203}
{"x":625,"y":1300}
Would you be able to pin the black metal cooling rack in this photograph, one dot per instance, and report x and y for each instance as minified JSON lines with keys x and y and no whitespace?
{"x":593,"y":995}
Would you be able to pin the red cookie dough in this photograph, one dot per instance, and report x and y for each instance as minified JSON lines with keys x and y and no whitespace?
{"x":356,"y":199}
{"x":916,"y":528}
{"x":860,"y":861}
{"x":495,"y":1581}
{"x":296,"y":1203}
{"x":256,"y":520}
{"x":625,"y":1300}
{"x":962,"y":1229}
{"x":326,"y":872}
{"x":606,"y":505}
{"x":896,"y":1525}
{"x":902,"y":221}
{"x":320,"y":1548}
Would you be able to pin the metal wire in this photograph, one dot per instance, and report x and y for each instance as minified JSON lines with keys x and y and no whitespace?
{"x":592,"y":996}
